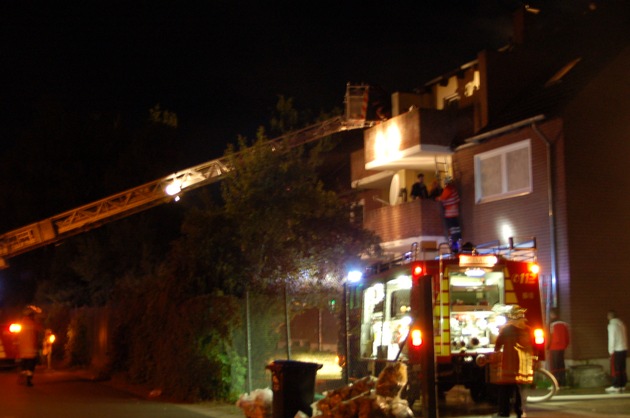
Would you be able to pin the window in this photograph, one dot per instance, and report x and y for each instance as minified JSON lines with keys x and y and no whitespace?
{"x":503,"y":172}
{"x":399,"y":304}
{"x":474,"y":324}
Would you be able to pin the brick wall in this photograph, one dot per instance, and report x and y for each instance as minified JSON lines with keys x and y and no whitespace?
{"x":410,"y":219}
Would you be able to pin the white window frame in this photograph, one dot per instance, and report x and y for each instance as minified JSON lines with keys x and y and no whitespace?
{"x":505,"y":191}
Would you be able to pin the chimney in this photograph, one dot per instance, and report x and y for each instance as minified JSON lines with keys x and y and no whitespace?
{"x":522,"y":21}
{"x":518,"y":23}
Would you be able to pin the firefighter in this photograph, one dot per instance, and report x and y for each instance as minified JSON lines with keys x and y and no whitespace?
{"x":450,"y":203}
{"x":516,"y":361}
{"x":379,"y":107}
{"x":28,"y":343}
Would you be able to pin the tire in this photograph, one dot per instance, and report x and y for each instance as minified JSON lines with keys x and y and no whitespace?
{"x":411,"y":393}
{"x":543,"y":388}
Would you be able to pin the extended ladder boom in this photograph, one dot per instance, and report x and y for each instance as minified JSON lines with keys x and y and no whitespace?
{"x":151,"y":194}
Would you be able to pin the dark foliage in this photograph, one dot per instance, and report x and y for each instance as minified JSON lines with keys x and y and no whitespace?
{"x":170,"y":333}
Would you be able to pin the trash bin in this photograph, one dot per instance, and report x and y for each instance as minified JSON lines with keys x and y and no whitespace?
{"x":293,"y":387}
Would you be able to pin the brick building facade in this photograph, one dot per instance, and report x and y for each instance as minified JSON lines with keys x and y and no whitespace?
{"x":536,"y":136}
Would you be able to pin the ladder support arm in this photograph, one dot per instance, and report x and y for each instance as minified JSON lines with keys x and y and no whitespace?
{"x":137,"y":199}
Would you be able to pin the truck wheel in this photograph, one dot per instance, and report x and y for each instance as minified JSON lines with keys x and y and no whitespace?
{"x":411,"y":394}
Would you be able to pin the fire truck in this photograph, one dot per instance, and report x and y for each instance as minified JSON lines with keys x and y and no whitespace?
{"x":448,"y":308}
{"x":8,"y":343}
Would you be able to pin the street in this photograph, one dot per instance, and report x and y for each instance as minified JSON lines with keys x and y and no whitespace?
{"x":64,"y":394}
{"x":72,"y":394}
{"x":568,"y":403}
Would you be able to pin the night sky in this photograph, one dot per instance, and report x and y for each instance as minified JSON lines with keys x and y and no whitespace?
{"x":220,"y":65}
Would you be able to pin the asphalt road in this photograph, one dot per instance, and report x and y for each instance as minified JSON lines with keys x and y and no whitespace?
{"x":591,"y":403}
{"x":63,"y":394}
{"x":71,"y":394}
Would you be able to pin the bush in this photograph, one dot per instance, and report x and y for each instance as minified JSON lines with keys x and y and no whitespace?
{"x":77,"y":346}
{"x":177,"y":341}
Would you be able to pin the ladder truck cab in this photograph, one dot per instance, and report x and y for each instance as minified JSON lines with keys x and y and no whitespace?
{"x":455,"y":303}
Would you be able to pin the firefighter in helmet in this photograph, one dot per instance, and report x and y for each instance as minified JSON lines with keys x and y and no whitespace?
{"x":517,"y":362}
{"x":28,"y":342}
{"x":450,"y":203}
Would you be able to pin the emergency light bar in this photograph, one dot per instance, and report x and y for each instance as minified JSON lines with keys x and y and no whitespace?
{"x":477,"y":260}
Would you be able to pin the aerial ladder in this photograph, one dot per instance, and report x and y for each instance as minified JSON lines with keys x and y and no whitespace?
{"x":168,"y":188}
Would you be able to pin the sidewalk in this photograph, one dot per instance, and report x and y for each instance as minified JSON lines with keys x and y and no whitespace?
{"x":552,"y":408}
{"x":458,"y":398}
{"x":572,"y":394}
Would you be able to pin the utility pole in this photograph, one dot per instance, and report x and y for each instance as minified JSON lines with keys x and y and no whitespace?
{"x":428,"y":383}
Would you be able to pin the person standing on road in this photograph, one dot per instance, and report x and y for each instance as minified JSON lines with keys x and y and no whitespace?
{"x":618,"y":350}
{"x":558,"y":343}
{"x":28,"y":343}
{"x":516,"y":367}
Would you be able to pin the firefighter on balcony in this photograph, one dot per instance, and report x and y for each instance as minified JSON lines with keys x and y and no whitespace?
{"x":450,"y":203}
{"x":516,"y":361}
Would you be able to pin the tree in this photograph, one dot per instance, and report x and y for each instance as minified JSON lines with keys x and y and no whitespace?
{"x":294,"y":235}
{"x":82,"y":270}
{"x":289,"y":227}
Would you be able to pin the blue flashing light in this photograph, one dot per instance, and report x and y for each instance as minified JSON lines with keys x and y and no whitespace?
{"x":355,"y":276}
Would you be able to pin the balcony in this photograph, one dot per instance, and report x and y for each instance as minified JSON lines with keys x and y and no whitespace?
{"x":409,"y":140}
{"x":406,"y":221}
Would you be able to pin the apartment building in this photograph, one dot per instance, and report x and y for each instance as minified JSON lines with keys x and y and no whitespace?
{"x":537,"y":138}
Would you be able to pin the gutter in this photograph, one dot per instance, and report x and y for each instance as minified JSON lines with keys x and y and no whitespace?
{"x":531,"y":122}
{"x":478,"y":138}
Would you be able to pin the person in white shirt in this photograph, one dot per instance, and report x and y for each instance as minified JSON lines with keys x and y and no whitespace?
{"x":618,"y":350}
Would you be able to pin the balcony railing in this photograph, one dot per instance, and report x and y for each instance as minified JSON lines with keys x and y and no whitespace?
{"x":406,"y":220}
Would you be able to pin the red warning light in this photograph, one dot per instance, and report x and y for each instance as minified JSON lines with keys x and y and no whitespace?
{"x":416,"y":337}
{"x":416,"y":270}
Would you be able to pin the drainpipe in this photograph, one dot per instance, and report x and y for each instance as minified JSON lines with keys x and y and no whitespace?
{"x":531,"y":122}
{"x":552,"y":216}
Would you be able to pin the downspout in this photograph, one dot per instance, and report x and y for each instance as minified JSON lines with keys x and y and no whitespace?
{"x":552,"y":216}
{"x":472,"y":141}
